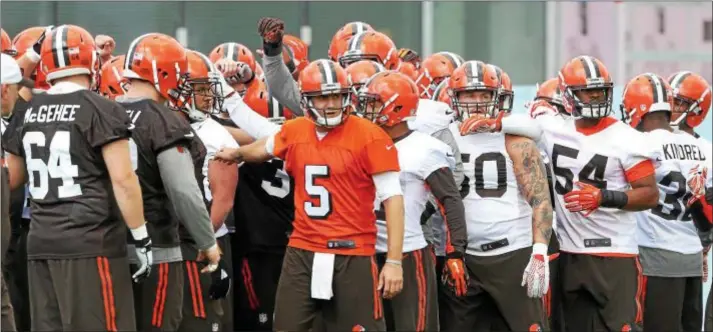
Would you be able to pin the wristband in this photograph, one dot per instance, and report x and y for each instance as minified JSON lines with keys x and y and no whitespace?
{"x":614,"y":199}
{"x":393,"y":261}
{"x":139,"y":233}
{"x":32,"y":55}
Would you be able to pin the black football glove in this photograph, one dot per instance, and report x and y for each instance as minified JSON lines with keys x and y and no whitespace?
{"x":271,"y":30}
{"x":37,"y":46}
{"x":220,"y":282}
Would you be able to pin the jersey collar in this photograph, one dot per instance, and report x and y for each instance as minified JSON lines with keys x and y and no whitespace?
{"x":64,"y":87}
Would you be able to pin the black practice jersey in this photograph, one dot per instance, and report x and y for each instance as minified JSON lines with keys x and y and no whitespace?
{"x":18,"y":198}
{"x":157,"y":128}
{"x":74,"y":213}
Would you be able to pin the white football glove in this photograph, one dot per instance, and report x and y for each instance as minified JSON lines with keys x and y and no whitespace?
{"x":537,"y":273}
{"x":143,"y":252}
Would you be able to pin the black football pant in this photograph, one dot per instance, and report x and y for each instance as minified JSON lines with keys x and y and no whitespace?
{"x":15,"y":274}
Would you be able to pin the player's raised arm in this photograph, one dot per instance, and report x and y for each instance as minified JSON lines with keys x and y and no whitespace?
{"x":277,"y":74}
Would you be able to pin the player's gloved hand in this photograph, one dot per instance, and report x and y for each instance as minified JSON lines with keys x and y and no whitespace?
{"x":477,"y":124}
{"x":537,"y":273}
{"x":234,"y":71}
{"x":33,"y":53}
{"x":220,"y":284}
{"x":455,"y":276}
{"x":586,"y":199}
{"x":211,"y":254}
{"x":271,"y":30}
{"x":105,"y":46}
{"x":143,"y":252}
{"x":696,"y":184}
{"x":539,"y":107}
{"x":409,"y":55}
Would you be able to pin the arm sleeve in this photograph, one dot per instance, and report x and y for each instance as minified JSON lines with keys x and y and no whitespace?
{"x":387,"y":185}
{"x":446,"y":193}
{"x":184,"y":193}
{"x":244,"y":117}
{"x":281,"y":84}
{"x":446,"y":136}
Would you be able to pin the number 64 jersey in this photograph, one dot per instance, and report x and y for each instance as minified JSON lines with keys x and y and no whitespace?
{"x":610,"y":156}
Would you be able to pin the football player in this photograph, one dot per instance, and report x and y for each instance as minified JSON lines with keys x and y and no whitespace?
{"x":602,"y":176}
{"x":670,"y":250}
{"x":73,"y":145}
{"x":340,"y":164}
{"x":206,"y":301}
{"x":508,"y":211}
{"x":27,"y":47}
{"x":162,"y":146}
{"x":113,"y":83}
{"x":340,"y":40}
{"x":389,"y":99}
{"x":264,"y":205}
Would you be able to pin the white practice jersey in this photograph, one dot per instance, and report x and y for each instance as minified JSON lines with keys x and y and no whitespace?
{"x":608,"y":158}
{"x":214,"y":137}
{"x":419,"y":156}
{"x":498,"y":218}
{"x":431,"y":116}
{"x":668,"y":226}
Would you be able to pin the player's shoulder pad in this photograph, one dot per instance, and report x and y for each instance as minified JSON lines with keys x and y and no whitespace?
{"x":433,"y":149}
{"x":104,"y":106}
{"x":365,"y":129}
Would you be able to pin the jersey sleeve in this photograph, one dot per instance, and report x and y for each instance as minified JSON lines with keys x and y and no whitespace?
{"x":169,"y":130}
{"x":380,"y":155}
{"x":11,"y":136}
{"x":637,"y":156}
{"x":109,"y":123}
{"x":281,"y":140}
{"x":436,"y":158}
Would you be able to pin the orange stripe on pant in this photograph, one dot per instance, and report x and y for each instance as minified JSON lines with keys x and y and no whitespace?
{"x":110,"y":290}
{"x":248,"y":282}
{"x":421,"y":282}
{"x":110,"y":324}
{"x":640,"y":292}
{"x":192,"y":285}
{"x":160,"y":300}
{"x":378,"y":311}
{"x":199,"y":291}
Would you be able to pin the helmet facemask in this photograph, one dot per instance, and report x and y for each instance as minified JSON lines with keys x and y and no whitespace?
{"x":206,"y":97}
{"x":592,"y":109}
{"x":466,"y":109}
{"x":330,"y":116}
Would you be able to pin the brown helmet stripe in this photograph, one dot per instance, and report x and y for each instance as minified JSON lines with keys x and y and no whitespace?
{"x":678,"y":79}
{"x":328,"y":71}
{"x":132,"y":51}
{"x":356,"y":41}
{"x":59,"y":47}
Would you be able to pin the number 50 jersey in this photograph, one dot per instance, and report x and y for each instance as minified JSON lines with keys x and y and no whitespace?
{"x":499,"y":219}
{"x":74,"y":214}
{"x":608,"y":156}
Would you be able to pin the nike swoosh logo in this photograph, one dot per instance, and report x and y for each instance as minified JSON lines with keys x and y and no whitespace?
{"x":131,"y":126}
{"x":189,"y":135}
{"x":389,"y":147}
{"x":449,"y":155}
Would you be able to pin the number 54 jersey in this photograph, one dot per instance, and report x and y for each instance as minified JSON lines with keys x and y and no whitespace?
{"x":669,"y":226}
{"x":334,"y":186}
{"x":499,"y":219}
{"x":609,"y":156}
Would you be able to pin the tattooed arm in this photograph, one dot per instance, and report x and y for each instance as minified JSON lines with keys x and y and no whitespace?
{"x":532,"y":180}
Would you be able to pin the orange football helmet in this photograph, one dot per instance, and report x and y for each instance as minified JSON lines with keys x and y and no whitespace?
{"x":295,"y":53}
{"x":644,"y":94}
{"x":6,"y":44}
{"x":24,"y":40}
{"x":160,"y":60}
{"x":434,"y":69}
{"x":113,"y":83}
{"x":69,"y":50}
{"x":691,"y":96}
{"x":410,"y":70}
{"x":361,"y":71}
{"x":474,"y":76}
{"x":374,"y":46}
{"x":506,"y":94}
{"x":324,"y":78}
{"x":586,"y":73}
{"x":549,"y":91}
{"x":441,"y":94}
{"x":206,"y":90}
{"x":259,"y":99}
{"x":234,"y":51}
{"x":338,"y":45}
{"x":389,"y":98}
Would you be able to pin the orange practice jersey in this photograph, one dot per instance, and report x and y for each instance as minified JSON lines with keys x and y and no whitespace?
{"x":334,"y":188}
